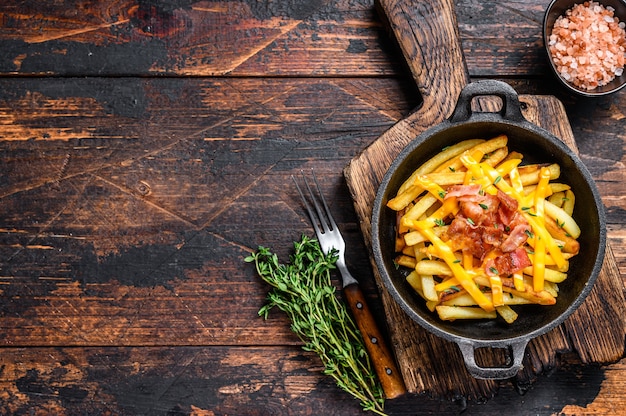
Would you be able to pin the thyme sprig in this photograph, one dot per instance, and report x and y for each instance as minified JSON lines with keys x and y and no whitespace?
{"x":304,"y":291}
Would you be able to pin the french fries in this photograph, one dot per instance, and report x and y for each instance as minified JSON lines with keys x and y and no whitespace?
{"x":461,"y":276}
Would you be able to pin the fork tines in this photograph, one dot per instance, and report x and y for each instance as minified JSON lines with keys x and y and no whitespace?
{"x":323,"y":218}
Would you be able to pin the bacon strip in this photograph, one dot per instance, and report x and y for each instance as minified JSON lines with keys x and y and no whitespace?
{"x":486,"y":222}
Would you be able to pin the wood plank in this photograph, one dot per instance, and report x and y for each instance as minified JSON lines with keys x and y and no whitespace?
{"x":193,"y":38}
{"x":128,"y":205}
{"x":291,"y":38}
{"x":246,"y":380}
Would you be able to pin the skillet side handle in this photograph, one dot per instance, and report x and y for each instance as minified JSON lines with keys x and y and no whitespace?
{"x":511,"y":107}
{"x":493,"y":373}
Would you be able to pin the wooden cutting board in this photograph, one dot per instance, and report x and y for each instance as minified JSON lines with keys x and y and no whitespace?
{"x":427,"y":34}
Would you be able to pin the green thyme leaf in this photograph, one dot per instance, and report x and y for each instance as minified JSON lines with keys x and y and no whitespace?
{"x":303,"y":290}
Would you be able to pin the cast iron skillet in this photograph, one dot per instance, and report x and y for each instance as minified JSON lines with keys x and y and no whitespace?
{"x":537,"y":145}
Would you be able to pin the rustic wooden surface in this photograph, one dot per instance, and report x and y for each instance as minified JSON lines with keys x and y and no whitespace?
{"x":146,"y":148}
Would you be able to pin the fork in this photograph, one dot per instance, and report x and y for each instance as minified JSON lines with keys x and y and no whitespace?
{"x":329,"y":237}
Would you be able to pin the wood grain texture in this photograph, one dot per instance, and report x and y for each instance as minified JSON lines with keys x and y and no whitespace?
{"x":242,"y":380}
{"x":381,"y":356}
{"x":145,"y":150}
{"x":183,"y":37}
{"x":139,"y":217}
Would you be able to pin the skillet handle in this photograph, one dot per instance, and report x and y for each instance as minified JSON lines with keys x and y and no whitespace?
{"x":493,"y":373}
{"x":511,"y":107}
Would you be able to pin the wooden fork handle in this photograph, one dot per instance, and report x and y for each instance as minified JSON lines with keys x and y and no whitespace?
{"x":380,"y":355}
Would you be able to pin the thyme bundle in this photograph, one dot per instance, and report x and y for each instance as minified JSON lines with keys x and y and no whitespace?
{"x":304,"y":291}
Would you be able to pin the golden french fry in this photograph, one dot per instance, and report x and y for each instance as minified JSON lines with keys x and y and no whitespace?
{"x":403,"y":199}
{"x":408,"y":251}
{"x":464,"y":299}
{"x":406,"y":261}
{"x":420,"y":207}
{"x":507,"y":313}
{"x":514,"y":155}
{"x":539,"y":297}
{"x":550,"y":275}
{"x":399,"y":244}
{"x":559,"y":187}
{"x":531,"y":176}
{"x":568,"y":244}
{"x":433,"y":267}
{"x":563,"y":219}
{"x":438,"y":159}
{"x":452,"y":313}
{"x":568,"y":202}
{"x":412,"y":238}
{"x":496,"y":157}
{"x":428,"y":288}
{"x":480,"y":149}
{"x":552,"y":288}
{"x":446,"y":178}
{"x":431,"y":305}
{"x":415,"y":280}
{"x":557,"y":198}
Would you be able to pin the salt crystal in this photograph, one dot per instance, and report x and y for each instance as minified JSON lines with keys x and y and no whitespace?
{"x":588,"y":45}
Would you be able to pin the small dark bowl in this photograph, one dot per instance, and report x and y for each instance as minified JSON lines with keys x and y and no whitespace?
{"x":558,"y":8}
{"x":537,"y":145}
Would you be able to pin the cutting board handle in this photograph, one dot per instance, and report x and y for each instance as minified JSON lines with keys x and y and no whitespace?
{"x":427,"y":33}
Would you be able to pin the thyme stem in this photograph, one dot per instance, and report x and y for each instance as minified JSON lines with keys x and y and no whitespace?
{"x":304,"y":291}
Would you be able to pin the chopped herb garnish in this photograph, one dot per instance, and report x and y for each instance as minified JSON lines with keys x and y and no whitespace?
{"x":493,"y":270}
{"x":483,"y":206}
{"x":498,"y":179}
{"x":471,"y":221}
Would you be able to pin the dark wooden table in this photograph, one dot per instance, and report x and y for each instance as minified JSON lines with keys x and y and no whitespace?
{"x":147,"y":148}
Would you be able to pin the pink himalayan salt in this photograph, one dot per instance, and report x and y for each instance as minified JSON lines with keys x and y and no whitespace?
{"x":588,"y":45}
